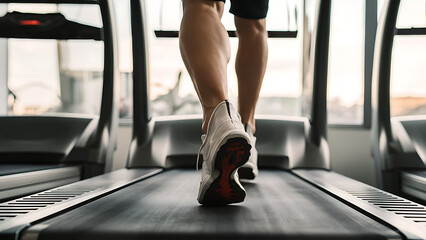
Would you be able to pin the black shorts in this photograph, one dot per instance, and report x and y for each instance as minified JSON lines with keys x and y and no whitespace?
{"x":250,"y":9}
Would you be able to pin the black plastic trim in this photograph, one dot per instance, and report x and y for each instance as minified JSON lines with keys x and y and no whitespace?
{"x":320,"y":73}
{"x":381,"y":71}
{"x":141,"y":112}
{"x":370,"y":36}
{"x":231,"y":33}
{"x":411,"y":31}
{"x":381,"y":132}
{"x":45,"y":26}
{"x":108,"y":119}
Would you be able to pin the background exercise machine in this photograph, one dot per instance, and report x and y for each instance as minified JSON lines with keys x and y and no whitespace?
{"x":399,"y":143}
{"x":38,"y":152}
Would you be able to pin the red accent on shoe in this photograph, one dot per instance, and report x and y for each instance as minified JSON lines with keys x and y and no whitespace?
{"x":234,"y":151}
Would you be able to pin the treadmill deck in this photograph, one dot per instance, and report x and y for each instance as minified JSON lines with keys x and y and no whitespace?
{"x":278,"y":205}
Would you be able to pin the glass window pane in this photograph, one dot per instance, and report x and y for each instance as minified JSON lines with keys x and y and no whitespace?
{"x":346,"y":63}
{"x":122,"y":17}
{"x":380,"y":4}
{"x":124,"y":32}
{"x":412,"y":13}
{"x":171,"y":88}
{"x":37,"y":88}
{"x":307,"y":51}
{"x":408,"y":85}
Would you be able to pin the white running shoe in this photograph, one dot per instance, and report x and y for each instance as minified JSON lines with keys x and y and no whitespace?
{"x":225,"y":148}
{"x":249,"y":170}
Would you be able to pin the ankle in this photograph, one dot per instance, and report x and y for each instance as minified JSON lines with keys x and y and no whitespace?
{"x":252,"y":125}
{"x":206,"y":118}
{"x":207,"y":113}
{"x":249,"y":120}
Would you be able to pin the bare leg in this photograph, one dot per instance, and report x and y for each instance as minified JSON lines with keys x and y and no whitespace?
{"x":250,"y":65}
{"x":205,"y":50}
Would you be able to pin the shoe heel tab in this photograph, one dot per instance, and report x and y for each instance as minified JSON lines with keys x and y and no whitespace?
{"x":228,"y":108}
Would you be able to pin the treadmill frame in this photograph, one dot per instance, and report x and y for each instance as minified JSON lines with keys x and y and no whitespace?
{"x":392,"y":148}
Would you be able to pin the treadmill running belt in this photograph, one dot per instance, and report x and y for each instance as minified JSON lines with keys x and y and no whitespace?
{"x":278,"y":206}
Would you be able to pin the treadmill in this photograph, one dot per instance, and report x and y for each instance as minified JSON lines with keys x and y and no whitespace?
{"x":296,"y":195}
{"x":39,"y":152}
{"x":398,"y":143}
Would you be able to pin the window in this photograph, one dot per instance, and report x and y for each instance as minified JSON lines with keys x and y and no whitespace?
{"x":408,"y":85}
{"x":284,"y":92}
{"x":171,"y":89}
{"x":55,"y":75}
{"x":346,"y":63}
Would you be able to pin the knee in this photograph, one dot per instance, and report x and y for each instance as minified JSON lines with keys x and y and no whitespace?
{"x":202,"y":5}
{"x":250,"y":27}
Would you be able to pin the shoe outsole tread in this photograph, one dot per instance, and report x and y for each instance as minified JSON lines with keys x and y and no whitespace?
{"x":225,"y":189}
{"x":246,"y":173}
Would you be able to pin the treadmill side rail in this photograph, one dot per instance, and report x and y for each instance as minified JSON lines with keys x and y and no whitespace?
{"x":14,"y":185}
{"x":414,"y":184}
{"x":26,"y":210}
{"x":403,"y":215}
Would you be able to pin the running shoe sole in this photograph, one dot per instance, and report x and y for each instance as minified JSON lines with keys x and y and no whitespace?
{"x":225,"y":189}
{"x":246,"y":173}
